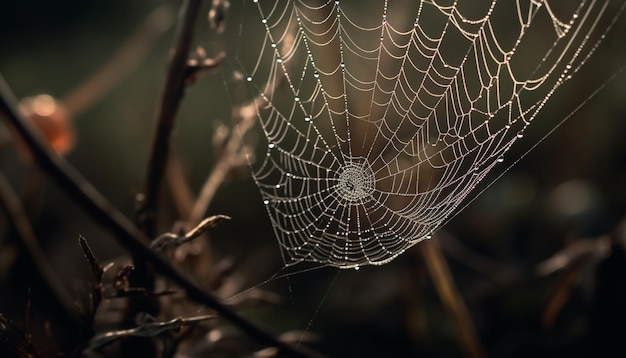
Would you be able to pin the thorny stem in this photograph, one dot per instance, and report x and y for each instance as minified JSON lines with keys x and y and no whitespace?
{"x":124,"y":231}
{"x":444,"y":283}
{"x":166,"y":115}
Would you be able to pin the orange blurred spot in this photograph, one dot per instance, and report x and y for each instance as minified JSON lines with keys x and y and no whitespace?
{"x":52,"y":120}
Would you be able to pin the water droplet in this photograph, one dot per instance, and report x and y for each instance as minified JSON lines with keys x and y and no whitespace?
{"x":297,"y":99}
{"x":266,"y":202}
{"x":307,"y":119}
{"x":277,"y":186}
{"x":356,"y":268}
{"x":249,"y":78}
{"x":255,"y":1}
{"x":520,"y":134}
{"x":342,"y":64}
{"x":316,"y":74}
{"x":264,"y":21}
{"x":428,"y":237}
{"x":500,"y":159}
{"x":273,"y":45}
{"x":279,"y":60}
{"x":271,"y":145}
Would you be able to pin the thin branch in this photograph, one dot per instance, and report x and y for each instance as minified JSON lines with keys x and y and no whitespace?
{"x":231,"y":157}
{"x":10,"y":201}
{"x":148,"y":329}
{"x":174,"y":240}
{"x":440,"y":273}
{"x":97,"y":271}
{"x":232,"y":154}
{"x":166,"y":114}
{"x":123,"y":230}
{"x":170,"y":100}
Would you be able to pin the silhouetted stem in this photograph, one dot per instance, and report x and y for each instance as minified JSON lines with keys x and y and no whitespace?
{"x":124,"y":231}
{"x":168,"y":107}
{"x":166,"y":114}
{"x":452,"y":301}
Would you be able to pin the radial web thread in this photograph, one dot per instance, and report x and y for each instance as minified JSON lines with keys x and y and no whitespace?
{"x":381,"y":116}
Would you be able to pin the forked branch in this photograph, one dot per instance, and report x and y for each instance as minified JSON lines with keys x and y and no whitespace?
{"x":177,"y":74}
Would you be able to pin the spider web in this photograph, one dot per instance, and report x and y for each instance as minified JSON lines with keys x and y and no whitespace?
{"x":382,"y":116}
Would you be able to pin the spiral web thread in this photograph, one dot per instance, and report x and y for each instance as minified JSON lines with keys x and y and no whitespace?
{"x":381,"y":116}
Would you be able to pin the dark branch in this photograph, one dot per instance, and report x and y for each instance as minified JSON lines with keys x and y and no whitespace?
{"x":177,"y":73}
{"x":124,"y":231}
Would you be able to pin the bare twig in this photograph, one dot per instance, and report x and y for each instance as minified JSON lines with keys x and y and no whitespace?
{"x":148,"y":329}
{"x":166,"y":115}
{"x":561,"y":294}
{"x":97,"y":272}
{"x":580,"y":250}
{"x":230,"y":158}
{"x":440,"y":273}
{"x":200,"y":64}
{"x":174,"y":240}
{"x":12,"y":205}
{"x":233,"y":153}
{"x":127,"y":234}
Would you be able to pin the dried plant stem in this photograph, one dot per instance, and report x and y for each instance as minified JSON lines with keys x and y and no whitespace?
{"x":230,"y":157}
{"x":168,"y":107}
{"x":561,"y":294}
{"x":166,"y":114}
{"x":442,"y":278}
{"x":181,"y":193}
{"x":123,"y":230}
{"x":11,"y":203}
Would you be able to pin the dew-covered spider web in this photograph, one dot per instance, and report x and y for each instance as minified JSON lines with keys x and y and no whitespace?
{"x":381,"y":116}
